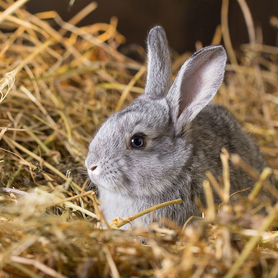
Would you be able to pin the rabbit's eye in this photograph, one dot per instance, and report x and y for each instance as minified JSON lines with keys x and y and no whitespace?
{"x":137,"y":141}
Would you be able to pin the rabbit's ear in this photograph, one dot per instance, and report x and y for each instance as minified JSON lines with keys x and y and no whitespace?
{"x":159,"y":64}
{"x":196,"y":84}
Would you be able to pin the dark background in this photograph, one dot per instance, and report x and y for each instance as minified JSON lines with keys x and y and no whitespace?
{"x":185,"y":21}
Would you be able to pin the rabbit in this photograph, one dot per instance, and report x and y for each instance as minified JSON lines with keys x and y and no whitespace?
{"x":159,"y":148}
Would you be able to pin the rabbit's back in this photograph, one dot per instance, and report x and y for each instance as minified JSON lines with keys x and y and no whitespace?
{"x":216,"y":128}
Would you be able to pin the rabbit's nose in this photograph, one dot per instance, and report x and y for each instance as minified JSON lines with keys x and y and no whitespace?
{"x":95,"y":169}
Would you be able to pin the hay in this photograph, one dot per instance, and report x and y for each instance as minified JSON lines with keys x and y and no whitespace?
{"x":69,"y":79}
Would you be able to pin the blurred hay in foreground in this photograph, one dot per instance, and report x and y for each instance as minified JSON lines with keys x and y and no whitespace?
{"x":68,"y":81}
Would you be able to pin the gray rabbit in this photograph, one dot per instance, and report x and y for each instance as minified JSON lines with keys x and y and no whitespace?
{"x":160,"y":147}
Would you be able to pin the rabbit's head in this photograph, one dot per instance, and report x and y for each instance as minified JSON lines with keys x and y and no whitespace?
{"x":141,"y":150}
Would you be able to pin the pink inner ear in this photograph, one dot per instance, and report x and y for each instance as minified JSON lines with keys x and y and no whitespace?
{"x":196,"y":84}
{"x":191,"y":86}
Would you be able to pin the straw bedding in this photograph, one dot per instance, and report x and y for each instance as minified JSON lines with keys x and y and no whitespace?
{"x":59,"y":83}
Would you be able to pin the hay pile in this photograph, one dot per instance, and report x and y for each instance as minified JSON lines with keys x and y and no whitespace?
{"x":59,"y":83}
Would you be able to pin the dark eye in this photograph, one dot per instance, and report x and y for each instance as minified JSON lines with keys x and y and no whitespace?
{"x":137,"y":141}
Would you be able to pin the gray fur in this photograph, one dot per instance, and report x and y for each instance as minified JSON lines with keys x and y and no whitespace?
{"x":159,"y":64}
{"x":184,"y":138}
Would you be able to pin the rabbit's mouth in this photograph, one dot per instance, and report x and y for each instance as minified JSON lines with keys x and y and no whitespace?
{"x":107,"y":182}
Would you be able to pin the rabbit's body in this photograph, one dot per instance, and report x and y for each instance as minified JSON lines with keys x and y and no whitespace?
{"x":216,"y":128}
{"x":213,"y":129}
{"x":159,"y":148}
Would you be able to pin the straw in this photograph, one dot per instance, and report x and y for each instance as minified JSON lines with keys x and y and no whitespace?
{"x":59,"y":83}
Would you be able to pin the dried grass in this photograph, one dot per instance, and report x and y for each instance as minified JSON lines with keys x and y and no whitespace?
{"x":69,"y":79}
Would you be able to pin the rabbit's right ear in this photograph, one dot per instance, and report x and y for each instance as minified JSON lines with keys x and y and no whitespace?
{"x":159,"y":64}
{"x":196,"y":84}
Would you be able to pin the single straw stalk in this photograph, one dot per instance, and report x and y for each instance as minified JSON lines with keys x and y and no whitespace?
{"x":211,"y":212}
{"x":226,"y":174}
{"x":118,"y":223}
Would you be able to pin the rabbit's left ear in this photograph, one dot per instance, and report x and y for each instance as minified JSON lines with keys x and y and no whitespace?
{"x":159,"y":64}
{"x":196,"y":84}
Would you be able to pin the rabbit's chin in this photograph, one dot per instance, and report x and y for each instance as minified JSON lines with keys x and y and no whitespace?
{"x":104,"y":185}
{"x":108,"y":185}
{"x":149,"y":190}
